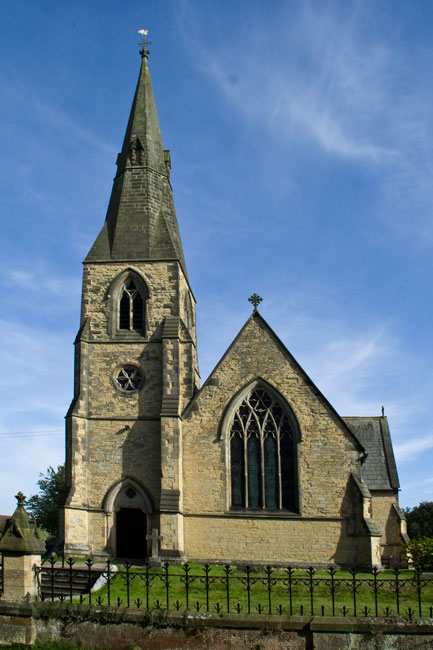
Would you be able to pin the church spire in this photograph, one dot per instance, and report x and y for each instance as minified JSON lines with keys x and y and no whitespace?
{"x":141,"y":220}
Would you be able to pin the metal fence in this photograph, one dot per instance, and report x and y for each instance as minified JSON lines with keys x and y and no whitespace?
{"x":247,"y":590}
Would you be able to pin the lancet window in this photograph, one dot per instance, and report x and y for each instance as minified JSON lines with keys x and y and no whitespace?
{"x":131,"y":307}
{"x":262,"y":455}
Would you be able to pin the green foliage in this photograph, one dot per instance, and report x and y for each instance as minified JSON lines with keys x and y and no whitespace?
{"x":420,"y":520}
{"x":421,"y":552}
{"x":44,"y":507}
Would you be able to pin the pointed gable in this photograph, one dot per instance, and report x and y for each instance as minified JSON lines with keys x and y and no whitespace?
{"x":324,"y":450}
{"x":259,"y":352}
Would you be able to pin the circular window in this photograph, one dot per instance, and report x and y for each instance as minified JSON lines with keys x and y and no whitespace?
{"x":130,"y":493}
{"x":129,"y":378}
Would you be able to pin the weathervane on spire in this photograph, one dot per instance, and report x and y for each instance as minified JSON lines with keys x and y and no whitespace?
{"x":144,"y":42}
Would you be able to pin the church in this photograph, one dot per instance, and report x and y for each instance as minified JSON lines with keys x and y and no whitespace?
{"x":253,"y":466}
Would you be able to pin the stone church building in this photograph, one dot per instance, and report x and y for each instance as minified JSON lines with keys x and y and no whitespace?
{"x":256,"y":465}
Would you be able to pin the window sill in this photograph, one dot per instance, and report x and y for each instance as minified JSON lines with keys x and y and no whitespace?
{"x":128,"y":335}
{"x":262,"y":513}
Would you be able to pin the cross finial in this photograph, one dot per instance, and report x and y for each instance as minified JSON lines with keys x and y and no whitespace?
{"x":144,"y":42}
{"x":255,"y":300}
{"x":383,"y":411}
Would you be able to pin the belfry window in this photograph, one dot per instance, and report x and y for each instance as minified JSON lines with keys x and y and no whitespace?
{"x":262,"y":455}
{"x":131,"y":307}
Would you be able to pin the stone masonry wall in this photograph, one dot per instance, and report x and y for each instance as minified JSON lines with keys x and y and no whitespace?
{"x":268,"y":540}
{"x":115,"y":453}
{"x":162,"y":279}
{"x":41,"y":622}
{"x":326,"y":457}
{"x":112,"y":434}
{"x":389,"y":524}
{"x":382,"y":508}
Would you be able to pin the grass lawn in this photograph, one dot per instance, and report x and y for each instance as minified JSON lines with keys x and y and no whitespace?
{"x":218,"y":588}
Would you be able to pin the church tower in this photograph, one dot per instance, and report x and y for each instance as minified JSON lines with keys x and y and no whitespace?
{"x":135,"y":360}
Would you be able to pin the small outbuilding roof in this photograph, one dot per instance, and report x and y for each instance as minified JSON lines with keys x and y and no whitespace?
{"x":3,"y":520}
{"x":21,"y":534}
{"x":379,"y":470}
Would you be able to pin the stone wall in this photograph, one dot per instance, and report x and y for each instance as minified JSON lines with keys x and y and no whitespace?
{"x":389,"y":524}
{"x":112,"y":434}
{"x":269,"y":539}
{"x":327,"y":455}
{"x":117,"y":629}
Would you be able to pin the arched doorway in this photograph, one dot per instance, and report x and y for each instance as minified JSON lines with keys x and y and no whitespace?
{"x":131,"y":531}
{"x":129,"y":519}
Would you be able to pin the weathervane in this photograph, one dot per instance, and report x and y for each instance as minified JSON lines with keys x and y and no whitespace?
{"x":255,"y":300}
{"x":144,"y":42}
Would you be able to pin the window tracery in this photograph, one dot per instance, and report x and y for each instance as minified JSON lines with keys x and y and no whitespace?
{"x":262,"y":455}
{"x":128,"y":378}
{"x":131,"y":307}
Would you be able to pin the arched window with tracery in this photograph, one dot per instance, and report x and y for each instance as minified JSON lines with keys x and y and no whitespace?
{"x":262,"y":454}
{"x":131,"y":306}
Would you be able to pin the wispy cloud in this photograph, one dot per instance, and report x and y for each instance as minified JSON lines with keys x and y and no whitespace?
{"x":37,"y":362}
{"x":54,"y":118}
{"x":338,"y":86}
{"x":344,"y":360}
{"x":43,"y":281}
{"x":412,"y":448}
{"x":419,"y":484}
{"x":330,"y":90}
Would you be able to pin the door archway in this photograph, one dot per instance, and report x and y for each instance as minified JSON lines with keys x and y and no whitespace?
{"x":129,"y":519}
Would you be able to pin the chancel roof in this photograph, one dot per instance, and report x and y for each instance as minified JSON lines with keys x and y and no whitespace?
{"x":379,"y":470}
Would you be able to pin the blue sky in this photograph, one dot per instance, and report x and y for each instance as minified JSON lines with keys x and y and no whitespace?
{"x":301,"y":137}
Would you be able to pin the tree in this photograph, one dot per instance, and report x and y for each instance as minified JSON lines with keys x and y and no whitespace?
{"x":420,"y":520}
{"x":44,"y":507}
{"x":421,"y":553}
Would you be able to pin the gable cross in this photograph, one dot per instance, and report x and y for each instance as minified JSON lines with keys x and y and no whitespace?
{"x":255,"y":300}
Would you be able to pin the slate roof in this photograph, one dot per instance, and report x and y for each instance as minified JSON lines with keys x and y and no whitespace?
{"x":379,"y":470}
{"x":3,"y":520}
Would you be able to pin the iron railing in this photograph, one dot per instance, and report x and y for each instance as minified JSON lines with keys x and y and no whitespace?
{"x":266,"y":590}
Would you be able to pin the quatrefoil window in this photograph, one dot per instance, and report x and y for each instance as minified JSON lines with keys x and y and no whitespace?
{"x":129,"y":378}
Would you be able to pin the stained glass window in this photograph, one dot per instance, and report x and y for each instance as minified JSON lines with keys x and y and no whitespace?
{"x":262,"y":459}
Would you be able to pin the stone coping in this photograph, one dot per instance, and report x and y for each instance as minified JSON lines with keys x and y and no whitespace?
{"x":336,"y":624}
